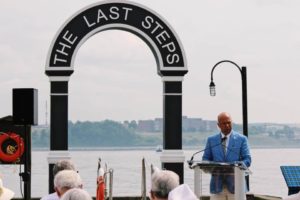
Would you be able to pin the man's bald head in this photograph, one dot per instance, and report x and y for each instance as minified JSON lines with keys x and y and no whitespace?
{"x":225,"y":122}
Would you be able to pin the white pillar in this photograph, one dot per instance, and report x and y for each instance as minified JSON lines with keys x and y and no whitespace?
{"x":239,"y":184}
{"x":55,"y":156}
{"x":197,"y":183}
{"x":172,"y":156}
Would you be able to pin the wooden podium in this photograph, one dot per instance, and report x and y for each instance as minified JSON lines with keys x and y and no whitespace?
{"x":237,"y":170}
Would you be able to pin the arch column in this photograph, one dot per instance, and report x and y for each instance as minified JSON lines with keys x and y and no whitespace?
{"x":172,"y":157}
{"x":58,"y":124}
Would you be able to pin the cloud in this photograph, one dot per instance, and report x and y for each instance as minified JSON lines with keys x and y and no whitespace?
{"x":116,"y":74}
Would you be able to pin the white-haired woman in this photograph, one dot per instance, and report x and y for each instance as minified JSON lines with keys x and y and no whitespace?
{"x":162,"y":182}
{"x":165,"y":186}
{"x":76,"y":194}
{"x":66,"y":180}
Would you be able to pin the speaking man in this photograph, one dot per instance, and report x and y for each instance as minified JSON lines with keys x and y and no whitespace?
{"x":225,"y":146}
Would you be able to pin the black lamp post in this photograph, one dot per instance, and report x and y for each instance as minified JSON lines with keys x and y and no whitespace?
{"x":243,"y":70}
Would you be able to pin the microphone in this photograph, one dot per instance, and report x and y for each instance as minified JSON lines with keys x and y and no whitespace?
{"x":190,"y":162}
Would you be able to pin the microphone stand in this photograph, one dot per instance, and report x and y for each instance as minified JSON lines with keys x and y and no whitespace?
{"x":190,"y":162}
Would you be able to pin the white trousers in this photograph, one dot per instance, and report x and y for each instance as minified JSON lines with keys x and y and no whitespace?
{"x":224,"y":195}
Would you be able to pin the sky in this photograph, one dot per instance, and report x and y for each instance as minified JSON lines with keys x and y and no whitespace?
{"x":115,"y":73}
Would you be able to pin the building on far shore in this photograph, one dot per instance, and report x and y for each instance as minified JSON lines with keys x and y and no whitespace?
{"x":188,"y":125}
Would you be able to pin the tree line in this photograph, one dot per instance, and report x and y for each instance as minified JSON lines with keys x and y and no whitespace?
{"x":110,"y":133}
{"x":105,"y":133}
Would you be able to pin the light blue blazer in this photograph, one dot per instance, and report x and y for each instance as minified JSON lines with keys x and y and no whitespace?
{"x":237,"y":150}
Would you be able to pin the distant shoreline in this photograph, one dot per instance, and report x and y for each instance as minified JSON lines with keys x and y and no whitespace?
{"x":151,"y":148}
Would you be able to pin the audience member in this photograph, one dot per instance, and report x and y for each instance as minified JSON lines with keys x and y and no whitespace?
{"x":65,"y":180}
{"x":76,"y":194}
{"x":5,"y":193}
{"x":182,"y":192}
{"x":59,"y":166}
{"x":162,"y":182}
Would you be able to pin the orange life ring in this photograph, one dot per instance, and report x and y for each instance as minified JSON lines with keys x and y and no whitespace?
{"x":13,"y":153}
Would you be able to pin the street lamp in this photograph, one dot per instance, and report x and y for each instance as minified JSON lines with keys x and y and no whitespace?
{"x":243,"y":70}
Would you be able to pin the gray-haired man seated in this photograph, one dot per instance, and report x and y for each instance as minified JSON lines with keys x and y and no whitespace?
{"x":66,"y":180}
{"x":59,"y":166}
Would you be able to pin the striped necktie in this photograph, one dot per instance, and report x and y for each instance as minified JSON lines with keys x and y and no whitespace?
{"x":224,"y":144}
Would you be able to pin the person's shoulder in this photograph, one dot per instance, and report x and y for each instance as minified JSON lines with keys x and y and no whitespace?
{"x":52,"y":196}
{"x":182,"y":191}
{"x":238,"y":135}
{"x":214,"y":137}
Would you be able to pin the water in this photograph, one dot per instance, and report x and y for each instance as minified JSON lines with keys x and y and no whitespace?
{"x":266,"y":176}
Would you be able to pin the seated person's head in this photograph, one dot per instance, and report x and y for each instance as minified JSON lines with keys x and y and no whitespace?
{"x":76,"y":194}
{"x":162,"y":182}
{"x":65,"y":180}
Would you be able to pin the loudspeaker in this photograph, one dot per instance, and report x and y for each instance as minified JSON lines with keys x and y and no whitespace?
{"x":25,"y":106}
